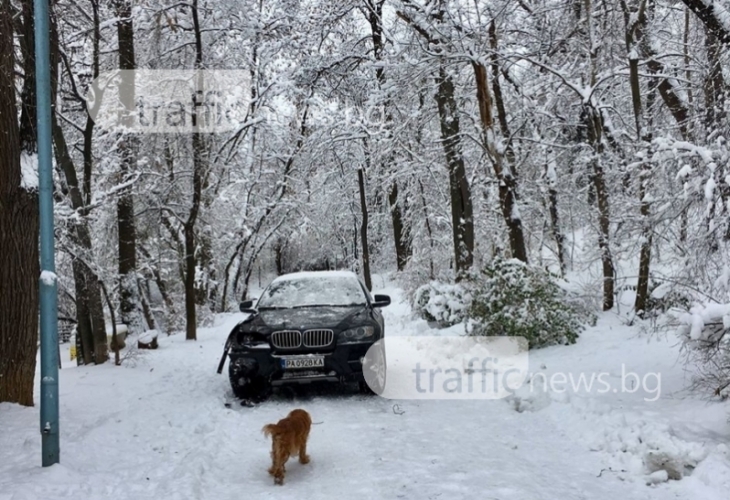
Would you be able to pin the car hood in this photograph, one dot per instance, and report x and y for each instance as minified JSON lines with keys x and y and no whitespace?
{"x":307,"y":318}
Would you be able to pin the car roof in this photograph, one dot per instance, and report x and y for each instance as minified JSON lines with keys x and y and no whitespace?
{"x":315,"y":275}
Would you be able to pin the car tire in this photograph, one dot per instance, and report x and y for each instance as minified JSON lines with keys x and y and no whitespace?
{"x":254,"y":389}
{"x":377,"y":367}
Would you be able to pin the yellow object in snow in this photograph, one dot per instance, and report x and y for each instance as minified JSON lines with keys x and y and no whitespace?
{"x":72,"y":352}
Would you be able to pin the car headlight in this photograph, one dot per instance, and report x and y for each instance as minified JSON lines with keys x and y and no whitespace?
{"x":251,"y":339}
{"x":360,"y":334}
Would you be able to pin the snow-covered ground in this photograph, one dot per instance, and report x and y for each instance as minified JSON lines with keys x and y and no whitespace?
{"x":157,"y":428}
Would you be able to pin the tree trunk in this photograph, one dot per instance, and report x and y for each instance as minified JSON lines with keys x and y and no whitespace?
{"x":237,"y":255}
{"x":504,"y":165}
{"x":89,"y":128}
{"x":127,"y":147}
{"x":190,"y":316}
{"x":84,"y":328}
{"x":401,"y":236}
{"x":115,"y":340}
{"x":426,"y":218}
{"x":714,"y":23}
{"x":19,"y":224}
{"x":364,"y":231}
{"x":156,"y":276}
{"x":462,"y":218}
{"x":636,"y":20}
{"x":642,"y":286}
{"x":595,"y":126}
{"x":149,"y":317}
{"x":279,"y":256}
{"x":89,"y":308}
{"x":403,"y":249}
{"x":714,"y":84}
{"x":551,"y":175}
{"x":593,"y":119}
{"x":198,"y":166}
{"x":503,"y":172}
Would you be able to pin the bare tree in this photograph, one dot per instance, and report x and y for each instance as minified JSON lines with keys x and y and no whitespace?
{"x":401,"y":238}
{"x":636,"y":20}
{"x":199,"y":165}
{"x":127,"y":149}
{"x":364,"y":230}
{"x":90,"y":326}
{"x":462,"y":214}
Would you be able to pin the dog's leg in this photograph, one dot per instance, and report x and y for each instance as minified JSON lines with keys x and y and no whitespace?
{"x":279,"y":474}
{"x":280,"y":457}
{"x":273,"y":463}
{"x":303,"y":457}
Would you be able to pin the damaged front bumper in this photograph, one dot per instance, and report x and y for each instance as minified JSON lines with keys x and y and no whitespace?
{"x":341,"y":364}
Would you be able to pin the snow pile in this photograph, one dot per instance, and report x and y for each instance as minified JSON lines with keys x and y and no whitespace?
{"x":647,"y":447}
{"x":712,"y":474}
{"x":635,"y":444}
{"x":148,"y":336}
{"x":533,"y":397}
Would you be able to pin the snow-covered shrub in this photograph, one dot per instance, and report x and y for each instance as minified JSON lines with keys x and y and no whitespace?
{"x":511,"y":298}
{"x":704,"y":330}
{"x":442,"y":303}
{"x":665,"y":296}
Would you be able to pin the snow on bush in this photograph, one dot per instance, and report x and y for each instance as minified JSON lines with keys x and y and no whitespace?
{"x":705,"y":322}
{"x":704,"y":332}
{"x":511,"y":298}
{"x":442,"y":303}
{"x":667,"y":296}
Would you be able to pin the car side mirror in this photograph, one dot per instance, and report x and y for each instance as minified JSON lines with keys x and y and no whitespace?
{"x":381,"y":300}
{"x":247,"y":307}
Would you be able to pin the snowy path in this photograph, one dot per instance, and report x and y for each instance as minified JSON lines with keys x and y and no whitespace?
{"x":158,"y":429}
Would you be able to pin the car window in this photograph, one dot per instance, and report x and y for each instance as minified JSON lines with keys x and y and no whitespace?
{"x":313,"y":291}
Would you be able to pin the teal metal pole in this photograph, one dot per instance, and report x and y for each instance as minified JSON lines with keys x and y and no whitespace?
{"x":48,"y":297}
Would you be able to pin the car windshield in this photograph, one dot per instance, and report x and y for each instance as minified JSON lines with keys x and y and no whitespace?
{"x":313,"y":290}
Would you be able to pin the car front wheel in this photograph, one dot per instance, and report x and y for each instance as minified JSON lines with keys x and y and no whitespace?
{"x":374,"y":371}
{"x":255,"y":389}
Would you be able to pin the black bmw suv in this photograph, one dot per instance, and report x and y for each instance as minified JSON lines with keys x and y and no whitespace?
{"x":306,"y":327}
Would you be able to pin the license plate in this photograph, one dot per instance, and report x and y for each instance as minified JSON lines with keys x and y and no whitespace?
{"x":304,"y":362}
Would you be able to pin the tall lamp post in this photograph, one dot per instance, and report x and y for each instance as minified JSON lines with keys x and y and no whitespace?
{"x":48,"y":297}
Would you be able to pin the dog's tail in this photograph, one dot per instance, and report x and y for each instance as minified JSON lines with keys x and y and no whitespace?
{"x":270,"y":430}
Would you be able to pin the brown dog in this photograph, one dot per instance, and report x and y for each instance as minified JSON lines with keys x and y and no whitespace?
{"x":289,"y":438}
